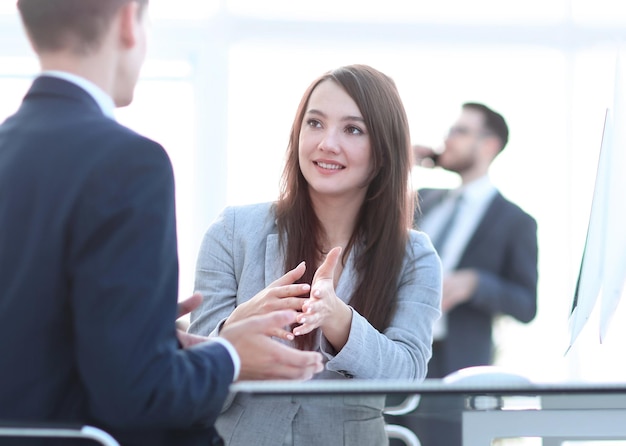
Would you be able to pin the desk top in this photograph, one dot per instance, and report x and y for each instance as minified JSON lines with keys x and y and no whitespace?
{"x":488,"y":386}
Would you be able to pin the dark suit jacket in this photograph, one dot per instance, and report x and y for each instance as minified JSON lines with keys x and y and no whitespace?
{"x":89,"y":279}
{"x":503,"y":250}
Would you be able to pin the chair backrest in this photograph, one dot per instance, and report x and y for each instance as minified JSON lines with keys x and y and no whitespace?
{"x":54,"y":430}
{"x":396,"y":407}
{"x":404,"y":434}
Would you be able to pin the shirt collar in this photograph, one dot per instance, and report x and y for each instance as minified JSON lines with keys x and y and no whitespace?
{"x":104,"y":101}
{"x":478,"y":189}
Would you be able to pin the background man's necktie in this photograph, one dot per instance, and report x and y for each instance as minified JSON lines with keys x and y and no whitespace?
{"x":443,"y":235}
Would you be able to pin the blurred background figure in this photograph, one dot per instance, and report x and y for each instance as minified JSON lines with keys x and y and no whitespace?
{"x":488,"y":249}
{"x":487,"y":244}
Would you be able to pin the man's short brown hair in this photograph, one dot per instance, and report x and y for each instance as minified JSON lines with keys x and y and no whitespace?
{"x":78,"y":25}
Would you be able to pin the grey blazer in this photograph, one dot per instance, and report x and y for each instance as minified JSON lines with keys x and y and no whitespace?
{"x":240,"y":256}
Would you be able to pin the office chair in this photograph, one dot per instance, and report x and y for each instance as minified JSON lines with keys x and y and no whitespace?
{"x":394,"y":431}
{"x":55,"y":430}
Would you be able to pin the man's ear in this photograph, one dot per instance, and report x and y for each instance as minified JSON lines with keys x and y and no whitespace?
{"x":491,"y":146}
{"x":128,"y":17}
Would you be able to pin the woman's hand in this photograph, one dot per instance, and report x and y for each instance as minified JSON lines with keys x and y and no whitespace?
{"x":323,"y":308}
{"x":282,"y":294}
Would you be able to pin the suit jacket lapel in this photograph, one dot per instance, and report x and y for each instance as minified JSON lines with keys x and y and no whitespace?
{"x":347,"y":280}
{"x":428,"y":199}
{"x":274,"y":259}
{"x":489,"y":219}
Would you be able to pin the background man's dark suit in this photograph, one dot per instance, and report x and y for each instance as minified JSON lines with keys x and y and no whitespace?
{"x":489,"y":260}
{"x":88,"y":242}
{"x":503,"y":250}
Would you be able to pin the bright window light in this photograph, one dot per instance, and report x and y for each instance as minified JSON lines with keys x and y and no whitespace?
{"x":480,"y":11}
{"x":183,"y":9}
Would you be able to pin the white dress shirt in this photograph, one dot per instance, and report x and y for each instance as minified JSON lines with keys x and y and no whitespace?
{"x":477,"y":196}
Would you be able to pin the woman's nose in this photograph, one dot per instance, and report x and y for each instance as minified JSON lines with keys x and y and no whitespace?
{"x":330,"y":142}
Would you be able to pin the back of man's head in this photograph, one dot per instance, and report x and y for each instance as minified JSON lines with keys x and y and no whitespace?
{"x":493,"y":121}
{"x":74,"y":25}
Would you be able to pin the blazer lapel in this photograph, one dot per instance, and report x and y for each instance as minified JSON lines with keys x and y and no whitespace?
{"x":484,"y":228}
{"x":274,"y":259}
{"x":428,"y":199}
{"x":345,"y":286}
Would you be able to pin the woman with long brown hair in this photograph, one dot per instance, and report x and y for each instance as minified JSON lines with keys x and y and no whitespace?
{"x":338,"y":247}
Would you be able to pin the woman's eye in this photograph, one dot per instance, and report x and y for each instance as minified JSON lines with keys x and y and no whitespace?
{"x":313,"y":123}
{"x":354,"y":130}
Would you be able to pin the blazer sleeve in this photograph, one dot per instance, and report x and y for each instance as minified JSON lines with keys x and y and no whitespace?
{"x":511,"y":286}
{"x":124,"y":282}
{"x":405,"y":347}
{"x":215,"y":276}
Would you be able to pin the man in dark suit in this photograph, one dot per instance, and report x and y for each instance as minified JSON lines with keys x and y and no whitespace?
{"x":88,"y":257}
{"x":488,"y":249}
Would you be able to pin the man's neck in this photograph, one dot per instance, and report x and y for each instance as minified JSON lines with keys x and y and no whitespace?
{"x":467,"y":178}
{"x":92,"y":68}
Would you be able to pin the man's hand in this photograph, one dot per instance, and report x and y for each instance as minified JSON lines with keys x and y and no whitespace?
{"x":185,"y":307}
{"x":265,"y":358}
{"x":424,"y":156}
{"x":458,"y":287}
